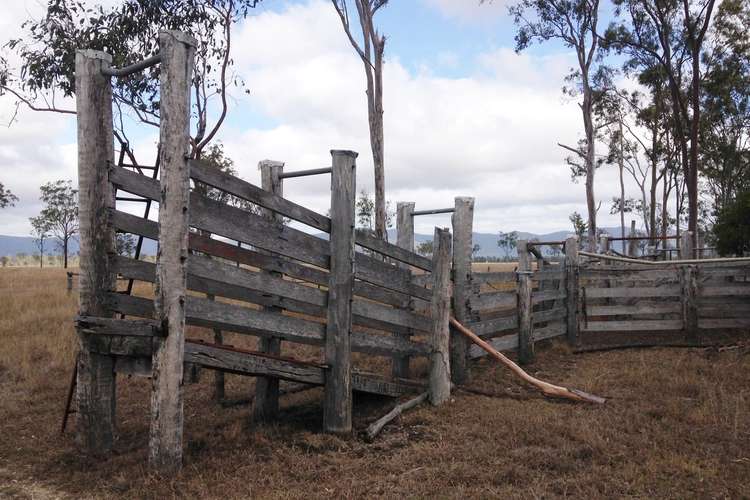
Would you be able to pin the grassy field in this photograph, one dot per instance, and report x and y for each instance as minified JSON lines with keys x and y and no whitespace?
{"x":676,"y":425}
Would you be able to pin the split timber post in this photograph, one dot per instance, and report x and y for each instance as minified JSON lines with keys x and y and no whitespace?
{"x":96,"y":381}
{"x":266,"y":402}
{"x":405,"y":240}
{"x":440,"y":363}
{"x":686,"y":245}
{"x":525,"y":332}
{"x":604,"y":242}
{"x":689,"y":285}
{"x":463,"y":222}
{"x":165,"y":444}
{"x":337,"y":406}
{"x":571,"y":282}
{"x":632,"y":244}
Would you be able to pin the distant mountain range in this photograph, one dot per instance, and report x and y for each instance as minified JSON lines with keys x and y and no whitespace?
{"x":13,"y":245}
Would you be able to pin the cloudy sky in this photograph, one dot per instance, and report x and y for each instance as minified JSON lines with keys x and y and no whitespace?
{"x":464,"y":114}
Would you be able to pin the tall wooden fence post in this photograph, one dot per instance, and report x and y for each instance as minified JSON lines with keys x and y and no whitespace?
{"x":525,"y":333}
{"x":337,"y":406}
{"x":165,"y":445}
{"x":463,"y":226}
{"x":440,"y":364}
{"x":571,"y":292}
{"x":404,"y":239}
{"x":604,"y":243}
{"x":266,"y":403}
{"x":632,"y":244}
{"x":96,"y":382}
{"x":689,"y":285}
{"x":686,"y":245}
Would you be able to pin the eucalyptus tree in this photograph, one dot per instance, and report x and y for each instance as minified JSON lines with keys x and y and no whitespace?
{"x":60,"y":213}
{"x":669,"y":35}
{"x":574,"y":23}
{"x":129,"y":32}
{"x":40,"y":230}
{"x":507,"y":241}
{"x":725,"y":125}
{"x":369,"y":44}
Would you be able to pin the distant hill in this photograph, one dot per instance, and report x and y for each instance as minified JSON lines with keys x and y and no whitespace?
{"x":488,"y":241}
{"x":12,"y":245}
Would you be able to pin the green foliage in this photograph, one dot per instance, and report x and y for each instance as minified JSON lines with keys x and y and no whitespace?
{"x":60,"y":212}
{"x":507,"y":241}
{"x":425,"y":248}
{"x":125,"y":244}
{"x":365,"y":211}
{"x":7,"y":199}
{"x":40,"y":230}
{"x":214,"y":156}
{"x":129,"y":32}
{"x":579,"y":225}
{"x":725,"y":120}
{"x":732,"y":228}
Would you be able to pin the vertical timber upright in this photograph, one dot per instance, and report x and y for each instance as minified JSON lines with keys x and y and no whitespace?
{"x":165,"y":440}
{"x":96,"y":372}
{"x":95,"y":382}
{"x":337,"y":410}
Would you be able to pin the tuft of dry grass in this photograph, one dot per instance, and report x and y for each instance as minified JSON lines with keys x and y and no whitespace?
{"x":676,"y":426}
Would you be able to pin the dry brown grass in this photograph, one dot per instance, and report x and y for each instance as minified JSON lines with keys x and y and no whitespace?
{"x":677,"y":425}
{"x":493,"y":267}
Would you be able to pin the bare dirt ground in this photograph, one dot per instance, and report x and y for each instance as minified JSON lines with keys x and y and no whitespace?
{"x":676,"y":425}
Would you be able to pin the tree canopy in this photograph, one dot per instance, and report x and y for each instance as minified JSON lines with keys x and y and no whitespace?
{"x":7,"y":199}
{"x":129,"y":32}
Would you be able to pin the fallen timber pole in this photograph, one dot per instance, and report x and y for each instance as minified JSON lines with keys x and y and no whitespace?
{"x":661,"y":263}
{"x":549,"y":390}
{"x":374,"y":428}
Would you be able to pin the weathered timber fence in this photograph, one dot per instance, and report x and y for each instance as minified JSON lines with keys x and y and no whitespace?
{"x":462,"y":221}
{"x":514,"y":310}
{"x":232,"y":264}
{"x":689,"y":303}
{"x":231,"y":270}
{"x":686,"y":246}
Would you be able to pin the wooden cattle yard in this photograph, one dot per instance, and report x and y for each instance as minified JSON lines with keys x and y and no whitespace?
{"x":242,"y":268}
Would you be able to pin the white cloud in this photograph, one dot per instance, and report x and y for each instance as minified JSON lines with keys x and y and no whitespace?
{"x":491,"y":134}
{"x":36,"y":148}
